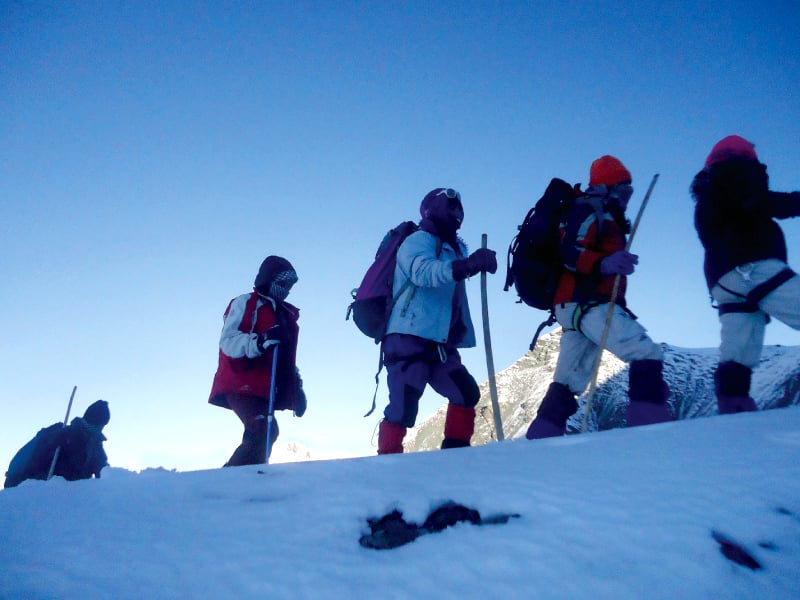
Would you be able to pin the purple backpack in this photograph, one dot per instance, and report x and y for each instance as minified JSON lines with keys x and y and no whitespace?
{"x":373,"y":299}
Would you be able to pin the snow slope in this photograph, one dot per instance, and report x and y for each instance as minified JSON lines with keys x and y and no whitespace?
{"x":614,"y":514}
{"x":689,"y":373}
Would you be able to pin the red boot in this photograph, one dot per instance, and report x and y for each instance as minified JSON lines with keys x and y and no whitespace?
{"x":390,"y":438}
{"x":459,"y":425}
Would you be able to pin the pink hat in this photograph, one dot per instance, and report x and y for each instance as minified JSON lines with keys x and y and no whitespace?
{"x":733,"y":146}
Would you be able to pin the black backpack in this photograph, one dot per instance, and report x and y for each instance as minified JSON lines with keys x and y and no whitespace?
{"x":81,"y":454}
{"x":534,"y":258}
{"x":32,"y":461}
{"x":534,"y":264}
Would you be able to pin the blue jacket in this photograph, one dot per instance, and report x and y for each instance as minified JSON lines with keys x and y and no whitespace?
{"x":434,"y":306}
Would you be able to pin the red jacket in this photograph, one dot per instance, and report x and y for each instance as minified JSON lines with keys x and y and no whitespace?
{"x":246,"y":369}
{"x":583,"y":245}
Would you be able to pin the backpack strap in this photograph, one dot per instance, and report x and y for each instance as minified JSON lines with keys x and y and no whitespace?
{"x":403,"y":288}
{"x":377,"y":383}
{"x":598,"y":204}
{"x":512,"y":247}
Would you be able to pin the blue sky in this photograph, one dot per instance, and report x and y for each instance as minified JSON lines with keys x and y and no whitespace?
{"x":152,"y":154}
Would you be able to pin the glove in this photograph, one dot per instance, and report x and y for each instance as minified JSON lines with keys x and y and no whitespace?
{"x":270,"y":338}
{"x":482,"y":260}
{"x":300,"y":399}
{"x":620,"y":263}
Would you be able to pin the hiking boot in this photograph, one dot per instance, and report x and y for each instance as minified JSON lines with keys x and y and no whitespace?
{"x":729,"y":405}
{"x":252,"y":451}
{"x":732,"y":387}
{"x":459,"y":425}
{"x":648,"y":394}
{"x":557,"y":406}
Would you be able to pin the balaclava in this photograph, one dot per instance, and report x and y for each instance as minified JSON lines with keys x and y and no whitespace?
{"x":275,"y":278}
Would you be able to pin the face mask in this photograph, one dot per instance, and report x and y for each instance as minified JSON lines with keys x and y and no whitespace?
{"x":622,"y":193}
{"x":281,"y":285}
{"x":446,"y":210}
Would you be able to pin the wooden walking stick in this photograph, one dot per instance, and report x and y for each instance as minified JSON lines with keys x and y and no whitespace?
{"x":58,"y":449}
{"x":610,"y":314}
{"x":487,"y":342}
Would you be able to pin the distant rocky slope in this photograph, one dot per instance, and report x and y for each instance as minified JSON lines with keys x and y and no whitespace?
{"x":689,"y":373}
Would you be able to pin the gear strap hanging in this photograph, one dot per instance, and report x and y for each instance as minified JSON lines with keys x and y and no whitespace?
{"x":551,"y":319}
{"x":750,"y":302}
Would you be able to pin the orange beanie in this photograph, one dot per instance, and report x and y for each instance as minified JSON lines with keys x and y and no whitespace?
{"x":609,"y":171}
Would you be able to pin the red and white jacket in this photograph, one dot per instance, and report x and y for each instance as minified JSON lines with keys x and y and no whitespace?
{"x":246,"y":369}
{"x":585,"y":242}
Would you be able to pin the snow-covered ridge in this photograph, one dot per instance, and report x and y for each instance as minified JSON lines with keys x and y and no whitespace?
{"x":688,"y":372}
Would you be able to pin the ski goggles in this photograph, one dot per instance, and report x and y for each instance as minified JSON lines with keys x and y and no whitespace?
{"x":450,"y":193}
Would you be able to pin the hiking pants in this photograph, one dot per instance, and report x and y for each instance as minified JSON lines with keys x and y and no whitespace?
{"x":627,"y":339}
{"x":413,"y":363}
{"x":252,"y":412}
{"x":742,"y":333}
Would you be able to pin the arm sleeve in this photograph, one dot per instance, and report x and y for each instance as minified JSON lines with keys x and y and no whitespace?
{"x":783,"y":205}
{"x":232,"y":342}
{"x":417,"y":258}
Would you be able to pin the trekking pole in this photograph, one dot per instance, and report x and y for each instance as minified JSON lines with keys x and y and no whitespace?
{"x":58,"y":449}
{"x":487,"y":342}
{"x":610,"y":314}
{"x":271,"y":409}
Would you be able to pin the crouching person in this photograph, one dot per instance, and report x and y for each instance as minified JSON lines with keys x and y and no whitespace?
{"x":79,"y":447}
{"x":255,"y":325}
{"x":593,"y":241}
{"x":429,"y":322}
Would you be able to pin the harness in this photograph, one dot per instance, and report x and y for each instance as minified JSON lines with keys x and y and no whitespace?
{"x":753,"y":298}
